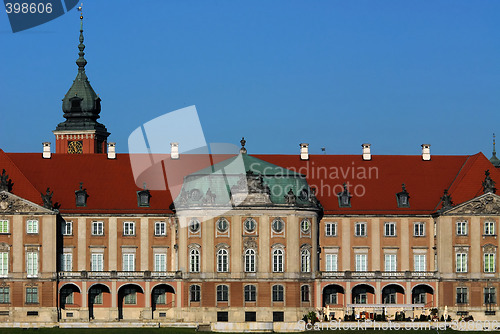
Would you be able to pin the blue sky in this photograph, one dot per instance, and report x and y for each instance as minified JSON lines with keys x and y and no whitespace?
{"x":334,"y":74}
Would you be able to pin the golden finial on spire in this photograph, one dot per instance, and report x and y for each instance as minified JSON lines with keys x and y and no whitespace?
{"x":80,"y":9}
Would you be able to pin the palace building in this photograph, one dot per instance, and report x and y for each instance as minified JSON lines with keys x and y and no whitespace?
{"x":243,"y":238}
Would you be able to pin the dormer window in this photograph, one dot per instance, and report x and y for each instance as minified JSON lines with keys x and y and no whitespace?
{"x":76,"y":103}
{"x":403,"y":198}
{"x":143,"y":197}
{"x":344,"y":198}
{"x":81,"y":196}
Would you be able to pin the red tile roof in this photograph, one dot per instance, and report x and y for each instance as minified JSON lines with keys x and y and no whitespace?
{"x":373,"y":184}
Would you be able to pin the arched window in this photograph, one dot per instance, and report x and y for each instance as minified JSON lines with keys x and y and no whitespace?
{"x":278,"y":256}
{"x":250,"y":293}
{"x":249,"y":261}
{"x":304,"y":293}
{"x":222,"y":293}
{"x":222,"y":261}
{"x":194,"y":293}
{"x":194,"y":261}
{"x":305,"y":261}
{"x":278,"y":293}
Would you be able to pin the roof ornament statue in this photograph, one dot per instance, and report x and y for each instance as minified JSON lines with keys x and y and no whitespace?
{"x":209,"y":197}
{"x":243,"y":142}
{"x":47,"y":199}
{"x":488,"y":183}
{"x":5,"y":183}
{"x":446,"y":200}
{"x":290,"y":198}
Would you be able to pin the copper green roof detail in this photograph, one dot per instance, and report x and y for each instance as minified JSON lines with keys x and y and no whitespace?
{"x":81,"y":105}
{"x":244,"y":180}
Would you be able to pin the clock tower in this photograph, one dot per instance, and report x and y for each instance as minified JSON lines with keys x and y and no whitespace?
{"x":80,"y":133}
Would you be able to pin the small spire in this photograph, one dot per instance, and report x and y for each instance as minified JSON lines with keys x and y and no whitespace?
{"x":81,"y":62}
{"x":494,"y":151}
{"x":494,"y":160}
{"x":243,"y":142}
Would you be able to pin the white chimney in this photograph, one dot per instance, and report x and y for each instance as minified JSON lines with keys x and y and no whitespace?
{"x":46,"y":150}
{"x":426,"y":152}
{"x":304,"y":151}
{"x":111,"y":150}
{"x":174,"y":151}
{"x":367,"y":155}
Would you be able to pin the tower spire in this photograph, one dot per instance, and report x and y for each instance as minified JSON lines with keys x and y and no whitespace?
{"x":494,"y":160}
{"x":81,"y":61}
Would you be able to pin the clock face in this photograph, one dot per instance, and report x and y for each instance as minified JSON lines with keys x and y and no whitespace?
{"x":75,"y":147}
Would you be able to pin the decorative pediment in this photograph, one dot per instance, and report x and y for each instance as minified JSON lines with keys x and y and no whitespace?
{"x":10,"y":203}
{"x":487,"y":204}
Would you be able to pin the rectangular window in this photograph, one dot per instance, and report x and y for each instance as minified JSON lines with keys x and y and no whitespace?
{"x":160,"y":262}
{"x":461,"y":262}
{"x":222,"y":293}
{"x":128,"y":262}
{"x":96,"y":294}
{"x":419,"y":229}
{"x":4,"y":295}
{"x":461,"y":295}
{"x":331,"y":229}
{"x":490,"y":296}
{"x":67,"y":262}
{"x":128,"y":228}
{"x":489,"y":228}
{"x":32,"y":226}
{"x":4,"y":226}
{"x":461,"y":227}
{"x":32,"y":295}
{"x":250,"y":293}
{"x":489,"y":262}
{"x":97,"y":262}
{"x":390,"y":262}
{"x":4,"y":264}
{"x":360,"y":230}
{"x":250,"y":316}
{"x":97,"y":228}
{"x":68,"y":297}
{"x":160,"y":228}
{"x":419,"y":262}
{"x":222,"y":316}
{"x":130,"y":296}
{"x":32,"y":264}
{"x":390,"y":229}
{"x":67,"y":228}
{"x":331,"y":262}
{"x":160,"y":296}
{"x":361,"y":262}
{"x":278,"y":316}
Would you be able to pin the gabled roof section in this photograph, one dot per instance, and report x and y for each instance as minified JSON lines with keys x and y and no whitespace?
{"x":21,"y":184}
{"x":12,"y":204}
{"x":486,"y":204}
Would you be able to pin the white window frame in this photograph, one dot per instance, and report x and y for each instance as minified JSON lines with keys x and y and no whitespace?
{"x":360,"y":229}
{"x":390,"y":262}
{"x":419,"y":229}
{"x":32,"y":226}
{"x":461,"y":227}
{"x":194,"y":260}
{"x":128,"y":263}
{"x":489,"y":227}
{"x":331,"y":262}
{"x":389,"y":229}
{"x":419,"y":262}
{"x":32,"y":264}
{"x":67,"y":228}
{"x":361,"y":262}
{"x":331,"y":229}
{"x":129,"y":228}
{"x":461,"y":262}
{"x":4,"y":264}
{"x":160,"y":229}
{"x":250,"y":260}
{"x":278,"y":260}
{"x":222,"y":260}
{"x":4,"y":226}
{"x":97,"y":262}
{"x":305,"y":261}
{"x":160,"y":263}
{"x":488,"y":269}
{"x":67,"y":262}
{"x":97,"y":228}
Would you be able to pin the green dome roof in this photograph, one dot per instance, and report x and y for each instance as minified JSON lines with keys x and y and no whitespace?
{"x":244,"y":180}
